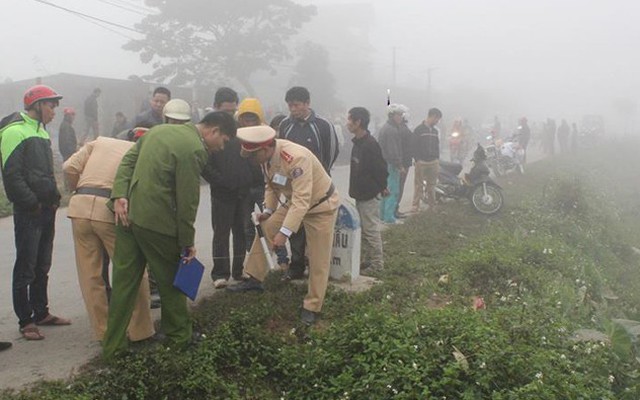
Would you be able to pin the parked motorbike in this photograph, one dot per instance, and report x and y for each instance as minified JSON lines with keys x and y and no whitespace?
{"x":506,"y":157}
{"x":477,"y":186}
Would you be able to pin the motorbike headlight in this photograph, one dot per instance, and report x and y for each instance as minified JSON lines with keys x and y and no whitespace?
{"x":455,"y":134}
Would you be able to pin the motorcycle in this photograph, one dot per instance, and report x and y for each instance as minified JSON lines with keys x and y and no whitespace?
{"x":503,"y":158}
{"x":477,"y":186}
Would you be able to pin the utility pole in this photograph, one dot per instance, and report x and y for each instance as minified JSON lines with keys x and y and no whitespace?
{"x":394,"y":70}
{"x":429,"y":70}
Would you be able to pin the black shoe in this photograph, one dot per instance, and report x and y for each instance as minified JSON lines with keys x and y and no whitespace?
{"x":247,"y":286}
{"x":5,"y":345}
{"x":291,"y":275}
{"x":308,"y":317}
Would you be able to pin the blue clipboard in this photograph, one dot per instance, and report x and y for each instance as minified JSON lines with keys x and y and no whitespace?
{"x":188,"y":277}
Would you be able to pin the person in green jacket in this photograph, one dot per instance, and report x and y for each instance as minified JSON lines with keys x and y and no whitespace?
{"x":155,"y":199}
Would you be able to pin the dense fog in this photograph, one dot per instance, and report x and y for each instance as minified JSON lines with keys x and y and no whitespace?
{"x":473,"y":59}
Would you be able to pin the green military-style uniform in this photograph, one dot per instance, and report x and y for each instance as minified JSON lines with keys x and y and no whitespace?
{"x":160,"y":176}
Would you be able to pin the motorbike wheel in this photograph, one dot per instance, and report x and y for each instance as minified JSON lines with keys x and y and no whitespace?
{"x":487,"y":199}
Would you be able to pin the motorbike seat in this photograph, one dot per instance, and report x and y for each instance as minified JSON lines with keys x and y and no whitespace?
{"x":450,"y":167}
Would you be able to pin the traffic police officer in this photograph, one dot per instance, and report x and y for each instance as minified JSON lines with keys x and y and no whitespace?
{"x":292,"y":171}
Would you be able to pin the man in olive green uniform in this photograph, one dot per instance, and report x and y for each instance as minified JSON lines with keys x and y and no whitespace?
{"x":155,"y":198}
{"x":291,"y":170}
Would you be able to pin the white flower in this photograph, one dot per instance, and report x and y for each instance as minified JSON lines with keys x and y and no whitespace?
{"x":315,"y":385}
{"x":414,"y":365}
{"x":588,"y":350}
{"x":388,"y":297}
{"x":292,"y":332}
{"x":415,"y":347}
{"x":395,"y":391}
{"x":611,"y":378}
{"x":503,"y":298}
{"x":388,"y":386}
{"x":483,"y":365}
{"x":539,"y":376}
{"x":563,"y":357}
{"x":439,"y":342}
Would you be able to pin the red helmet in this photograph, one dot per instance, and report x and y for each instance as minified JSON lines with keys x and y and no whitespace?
{"x":39,"y":93}
{"x":69,"y":111}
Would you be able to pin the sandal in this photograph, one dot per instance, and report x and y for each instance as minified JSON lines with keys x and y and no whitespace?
{"x":52,"y":320}
{"x":31,"y":332}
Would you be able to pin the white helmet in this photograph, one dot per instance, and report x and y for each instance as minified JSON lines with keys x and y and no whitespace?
{"x":397,"y":109}
{"x":177,"y":109}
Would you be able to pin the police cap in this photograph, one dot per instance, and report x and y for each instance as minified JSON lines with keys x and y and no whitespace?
{"x":254,"y":138}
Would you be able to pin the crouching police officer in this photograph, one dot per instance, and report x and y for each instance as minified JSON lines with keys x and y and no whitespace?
{"x":312,"y":201}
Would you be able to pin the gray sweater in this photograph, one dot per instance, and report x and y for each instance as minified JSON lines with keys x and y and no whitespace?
{"x":390,"y":140}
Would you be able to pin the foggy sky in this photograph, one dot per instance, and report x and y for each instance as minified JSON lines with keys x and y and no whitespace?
{"x":542,"y":54}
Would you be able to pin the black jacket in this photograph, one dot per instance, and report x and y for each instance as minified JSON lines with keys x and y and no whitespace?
{"x":368,"y":175}
{"x":406,"y":138}
{"x":27,"y":163}
{"x":316,"y":134}
{"x":229,"y":174}
{"x":426,"y":143}
{"x":67,"y":140}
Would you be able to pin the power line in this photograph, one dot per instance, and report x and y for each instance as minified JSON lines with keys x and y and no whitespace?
{"x":107,"y":28}
{"x":123,"y":7}
{"x":136,"y":6}
{"x":77,"y":13}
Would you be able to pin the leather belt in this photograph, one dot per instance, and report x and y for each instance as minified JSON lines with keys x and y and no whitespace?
{"x":325,"y":198}
{"x":100,"y":192}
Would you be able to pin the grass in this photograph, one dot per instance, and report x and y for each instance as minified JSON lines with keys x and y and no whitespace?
{"x":557,"y":259}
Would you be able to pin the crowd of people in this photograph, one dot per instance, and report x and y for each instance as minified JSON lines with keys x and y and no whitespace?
{"x":135,"y":196}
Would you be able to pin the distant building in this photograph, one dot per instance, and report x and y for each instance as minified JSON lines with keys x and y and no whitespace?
{"x":126,"y":95}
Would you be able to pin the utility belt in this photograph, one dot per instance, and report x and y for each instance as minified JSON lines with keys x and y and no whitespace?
{"x":326,"y":197}
{"x":100,"y":192}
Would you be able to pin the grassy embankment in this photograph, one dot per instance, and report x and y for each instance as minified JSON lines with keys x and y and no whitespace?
{"x":559,"y":258}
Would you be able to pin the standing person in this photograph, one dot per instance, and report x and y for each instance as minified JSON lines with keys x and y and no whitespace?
{"x":304,"y":127}
{"x":90,"y":173}
{"x":564,"y":131}
{"x":153,"y":116}
{"x":291,"y":171}
{"x":226,"y":100}
{"x":91,"y":116}
{"x":159,"y":176}
{"x":390,"y":140}
{"x":230,"y":177}
{"x":67,"y":140}
{"x":524,"y":135}
{"x":367,"y":184}
{"x":427,"y":157}
{"x":30,"y":184}
{"x":120,"y":125}
{"x":406,"y":140}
